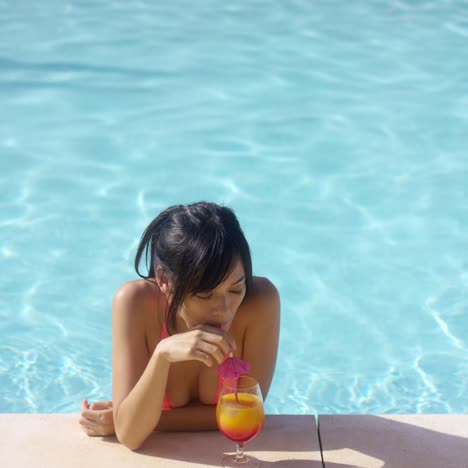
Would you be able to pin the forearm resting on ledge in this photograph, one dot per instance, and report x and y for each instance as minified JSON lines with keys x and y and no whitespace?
{"x":194,"y":417}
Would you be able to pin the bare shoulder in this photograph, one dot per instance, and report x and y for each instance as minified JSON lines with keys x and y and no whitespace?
{"x":260,"y":325}
{"x":139,"y":290}
{"x":264,"y":298}
{"x":263,"y":290}
{"x":136,"y":298}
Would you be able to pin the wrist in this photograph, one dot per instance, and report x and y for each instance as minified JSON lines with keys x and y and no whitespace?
{"x":160,"y":354}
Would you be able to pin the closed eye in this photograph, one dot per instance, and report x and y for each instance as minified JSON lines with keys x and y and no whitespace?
{"x":211,"y":295}
{"x":203,"y":297}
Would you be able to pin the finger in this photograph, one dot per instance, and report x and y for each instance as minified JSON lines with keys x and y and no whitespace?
{"x":87,"y":427}
{"x":89,"y":432}
{"x":90,"y":415}
{"x":101,"y":417}
{"x":106,"y":417}
{"x":217,"y":338}
{"x":101,"y":405}
{"x":84,"y":405}
{"x":199,"y":355}
{"x":87,"y":423}
{"x":222,"y":344}
{"x":214,"y":351}
{"x":97,"y":429}
{"x":231,"y":342}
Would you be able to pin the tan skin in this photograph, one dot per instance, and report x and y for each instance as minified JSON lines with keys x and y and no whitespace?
{"x":184,"y":364}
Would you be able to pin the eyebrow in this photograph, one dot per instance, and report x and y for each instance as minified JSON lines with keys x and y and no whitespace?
{"x":242,"y":278}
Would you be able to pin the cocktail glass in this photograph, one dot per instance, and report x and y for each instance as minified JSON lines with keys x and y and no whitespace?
{"x":240,"y":417}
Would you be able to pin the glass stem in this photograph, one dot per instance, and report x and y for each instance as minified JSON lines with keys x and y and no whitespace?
{"x":239,"y":452}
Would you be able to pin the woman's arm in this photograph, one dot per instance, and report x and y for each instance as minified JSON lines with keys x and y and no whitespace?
{"x":193,"y":417}
{"x":97,"y":419}
{"x":262,"y":333}
{"x":138,"y":384}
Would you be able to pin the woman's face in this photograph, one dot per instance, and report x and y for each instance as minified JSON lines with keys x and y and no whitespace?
{"x":217,"y":307}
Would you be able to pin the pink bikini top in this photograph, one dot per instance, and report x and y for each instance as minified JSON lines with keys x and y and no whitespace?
{"x":166,"y":403}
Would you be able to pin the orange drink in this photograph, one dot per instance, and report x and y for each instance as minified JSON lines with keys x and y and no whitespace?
{"x":240,"y":417}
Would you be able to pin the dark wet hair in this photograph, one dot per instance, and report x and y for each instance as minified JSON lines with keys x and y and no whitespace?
{"x":197,"y":246}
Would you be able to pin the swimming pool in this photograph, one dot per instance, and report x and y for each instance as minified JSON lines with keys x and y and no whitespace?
{"x":336,"y":130}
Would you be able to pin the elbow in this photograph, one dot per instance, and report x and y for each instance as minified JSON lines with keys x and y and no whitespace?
{"x":133,"y":446}
{"x":124,"y":433}
{"x":130,"y":431}
{"x":130,"y":442}
{"x":129,"y":438}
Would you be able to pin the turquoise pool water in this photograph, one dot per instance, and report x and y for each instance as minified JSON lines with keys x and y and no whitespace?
{"x":336,"y":130}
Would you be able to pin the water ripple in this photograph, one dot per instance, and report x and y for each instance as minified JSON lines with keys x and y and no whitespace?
{"x":340,"y":144}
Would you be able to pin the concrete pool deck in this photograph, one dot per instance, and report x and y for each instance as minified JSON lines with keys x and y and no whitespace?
{"x":347,"y":441}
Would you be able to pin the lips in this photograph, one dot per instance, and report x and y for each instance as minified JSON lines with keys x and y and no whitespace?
{"x":221,"y":326}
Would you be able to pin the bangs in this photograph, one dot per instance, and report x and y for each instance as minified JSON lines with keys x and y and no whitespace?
{"x":215,"y":261}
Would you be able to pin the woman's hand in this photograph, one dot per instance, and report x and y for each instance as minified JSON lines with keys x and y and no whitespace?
{"x":96,"y":418}
{"x":204,"y":343}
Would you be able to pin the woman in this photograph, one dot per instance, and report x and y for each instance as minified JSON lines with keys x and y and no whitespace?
{"x":171,"y":329}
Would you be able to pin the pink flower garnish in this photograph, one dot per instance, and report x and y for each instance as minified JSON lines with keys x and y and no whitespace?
{"x":233,"y":367}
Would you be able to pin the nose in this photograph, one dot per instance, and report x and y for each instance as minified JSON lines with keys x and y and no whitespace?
{"x":220,"y":307}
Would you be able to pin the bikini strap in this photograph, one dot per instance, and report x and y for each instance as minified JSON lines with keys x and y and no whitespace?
{"x":164,"y":333}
